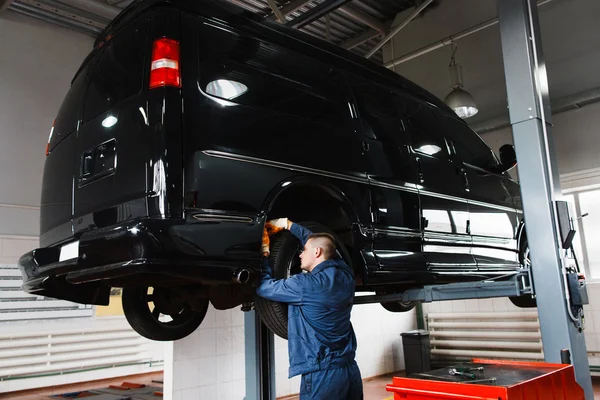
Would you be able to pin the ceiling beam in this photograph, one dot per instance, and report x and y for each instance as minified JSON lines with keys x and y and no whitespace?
{"x":399,"y":27}
{"x":290,"y":8}
{"x":4,"y":4}
{"x":276,"y":11}
{"x":316,"y":13}
{"x":364,"y":18}
{"x":360,"y":39}
{"x":449,"y":40}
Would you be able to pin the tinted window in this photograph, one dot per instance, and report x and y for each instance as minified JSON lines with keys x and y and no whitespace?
{"x":66,"y":119}
{"x":236,"y":69}
{"x":377,"y":111}
{"x":424,"y":127}
{"x":119,"y":71}
{"x":468,"y":145}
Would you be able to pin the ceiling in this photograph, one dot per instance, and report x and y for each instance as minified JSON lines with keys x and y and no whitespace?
{"x":570,"y":36}
{"x":357,"y":25}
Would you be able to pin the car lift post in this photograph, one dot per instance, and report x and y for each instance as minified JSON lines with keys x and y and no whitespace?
{"x":530,"y":117}
{"x":260,"y":358}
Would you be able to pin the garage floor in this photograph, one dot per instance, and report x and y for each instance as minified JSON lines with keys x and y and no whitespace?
{"x":374,"y":388}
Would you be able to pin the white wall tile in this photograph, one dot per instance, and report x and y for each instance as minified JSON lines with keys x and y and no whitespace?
{"x":237,"y":317}
{"x":208,"y":392}
{"x":237,"y":343}
{"x":589,"y":323}
{"x":238,"y":370}
{"x":500,"y":304}
{"x":471,"y":305}
{"x":224,"y":368}
{"x":208,"y":371}
{"x":591,"y":342}
{"x":204,"y":343}
{"x":177,"y":395}
{"x":191,"y":394}
{"x":446,"y":306}
{"x":224,"y":341}
{"x":191,"y":373}
{"x":223,"y":319}
{"x":459,"y":306}
{"x":485,"y":305}
{"x":596,"y":319}
{"x":282,"y":384}
{"x":594,"y":296}
{"x":295,"y":384}
{"x":209,"y":320}
{"x":238,"y":390}
{"x":224,"y":391}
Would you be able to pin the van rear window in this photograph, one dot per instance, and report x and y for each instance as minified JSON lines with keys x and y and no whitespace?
{"x":119,"y":71}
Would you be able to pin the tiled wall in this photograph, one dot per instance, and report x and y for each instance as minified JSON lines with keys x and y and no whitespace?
{"x":210,"y":363}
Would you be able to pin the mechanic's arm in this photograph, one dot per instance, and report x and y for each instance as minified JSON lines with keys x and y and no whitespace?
{"x":281,"y":290}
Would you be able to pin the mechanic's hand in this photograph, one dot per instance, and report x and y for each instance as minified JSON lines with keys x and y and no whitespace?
{"x":279,"y":224}
{"x":265,"y":250}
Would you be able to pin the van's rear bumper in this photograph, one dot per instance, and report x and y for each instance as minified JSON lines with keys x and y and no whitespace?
{"x":149,"y":252}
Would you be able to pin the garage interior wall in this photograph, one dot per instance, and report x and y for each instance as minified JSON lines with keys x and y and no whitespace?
{"x":571,"y":41}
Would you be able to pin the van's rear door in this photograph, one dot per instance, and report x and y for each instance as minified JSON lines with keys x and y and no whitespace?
{"x":113,"y":146}
{"x":57,"y":184}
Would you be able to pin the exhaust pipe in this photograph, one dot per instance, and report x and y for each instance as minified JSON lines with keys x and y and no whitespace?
{"x":242,"y":276}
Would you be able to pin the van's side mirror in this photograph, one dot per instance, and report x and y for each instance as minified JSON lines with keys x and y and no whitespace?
{"x":508,"y":157}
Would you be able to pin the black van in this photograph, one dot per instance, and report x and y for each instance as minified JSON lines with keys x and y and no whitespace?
{"x":192,"y":123}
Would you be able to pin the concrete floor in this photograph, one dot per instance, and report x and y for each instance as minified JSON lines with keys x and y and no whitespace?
{"x":374,"y":388}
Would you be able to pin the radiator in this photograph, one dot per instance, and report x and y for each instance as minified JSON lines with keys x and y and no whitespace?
{"x":493,"y":335}
{"x":30,"y":354}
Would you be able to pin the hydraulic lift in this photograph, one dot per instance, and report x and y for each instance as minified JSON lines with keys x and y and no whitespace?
{"x":529,"y":106}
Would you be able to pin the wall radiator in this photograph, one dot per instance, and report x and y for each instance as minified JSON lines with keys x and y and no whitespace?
{"x":493,"y":335}
{"x":37,"y":353}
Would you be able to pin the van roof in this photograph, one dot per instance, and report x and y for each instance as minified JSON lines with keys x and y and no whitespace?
{"x":302,"y":41}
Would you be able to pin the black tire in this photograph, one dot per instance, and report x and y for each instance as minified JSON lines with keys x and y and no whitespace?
{"x":136,"y":306}
{"x":525,"y":260}
{"x":399,"y":306}
{"x":284,"y":262}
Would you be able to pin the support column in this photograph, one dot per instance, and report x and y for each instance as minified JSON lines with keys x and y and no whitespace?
{"x":529,"y":105}
{"x":260,"y":358}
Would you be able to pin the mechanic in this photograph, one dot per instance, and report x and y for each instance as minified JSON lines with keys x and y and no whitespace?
{"x":321,"y":340}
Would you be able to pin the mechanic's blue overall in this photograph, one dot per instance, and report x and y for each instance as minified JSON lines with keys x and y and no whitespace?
{"x":321,"y":340}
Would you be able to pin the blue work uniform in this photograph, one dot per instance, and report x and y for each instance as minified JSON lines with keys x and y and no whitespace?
{"x":321,"y":340}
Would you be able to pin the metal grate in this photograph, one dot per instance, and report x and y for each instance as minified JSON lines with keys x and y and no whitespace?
{"x":493,"y":335}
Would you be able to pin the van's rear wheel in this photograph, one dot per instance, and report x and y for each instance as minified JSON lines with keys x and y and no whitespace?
{"x":161,"y":314}
{"x":285,"y":262}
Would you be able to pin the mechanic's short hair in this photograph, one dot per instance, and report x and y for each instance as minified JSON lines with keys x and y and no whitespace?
{"x":325,"y":242}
